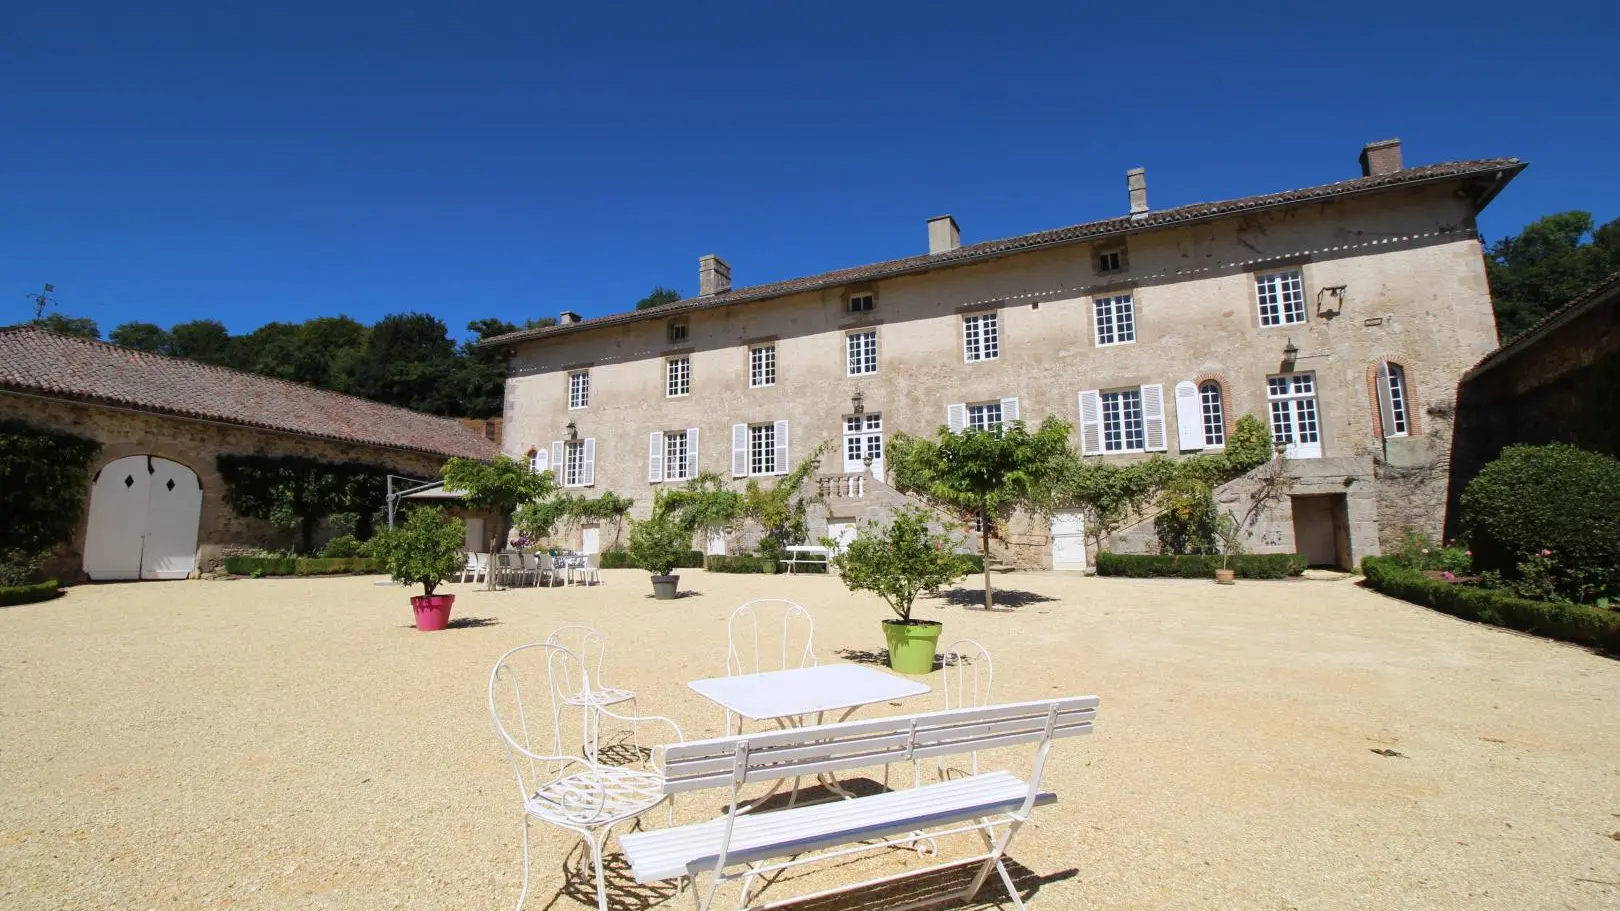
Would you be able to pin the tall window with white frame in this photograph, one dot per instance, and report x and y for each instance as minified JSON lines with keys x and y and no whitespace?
{"x":677,"y":456}
{"x":762,"y":449}
{"x":1292,"y":397}
{"x":1281,"y":297}
{"x":762,"y":366}
{"x":984,"y":417}
{"x":1214,"y":413}
{"x":860,"y":350}
{"x":579,"y":389}
{"x":863,"y":439}
{"x":574,"y":463}
{"x":677,"y":376}
{"x":981,"y":337}
{"x":1392,"y":399}
{"x":1123,"y":429}
{"x":1116,"y":319}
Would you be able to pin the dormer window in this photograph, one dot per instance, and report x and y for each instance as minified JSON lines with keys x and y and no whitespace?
{"x":677,"y":332}
{"x":861,"y":303}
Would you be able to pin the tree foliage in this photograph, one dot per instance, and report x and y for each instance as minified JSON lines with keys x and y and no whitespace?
{"x":989,"y":474}
{"x":546,"y":518}
{"x":901,"y":561}
{"x":657,"y":544}
{"x":499,"y":486}
{"x":1548,"y":264}
{"x":425,"y":550}
{"x":781,"y":506}
{"x":44,"y":475}
{"x":298,"y":492}
{"x":81,"y":326}
{"x":703,"y":502}
{"x":658,"y":297}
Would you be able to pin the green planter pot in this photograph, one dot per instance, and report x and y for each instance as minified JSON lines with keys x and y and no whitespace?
{"x":912,"y":645}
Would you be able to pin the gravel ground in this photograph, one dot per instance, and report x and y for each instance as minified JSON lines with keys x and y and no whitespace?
{"x":275,"y":744}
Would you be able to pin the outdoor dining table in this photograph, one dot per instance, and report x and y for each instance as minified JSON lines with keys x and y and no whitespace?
{"x":792,"y":696}
{"x":568,"y":561}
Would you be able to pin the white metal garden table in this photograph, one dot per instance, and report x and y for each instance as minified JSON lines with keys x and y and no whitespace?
{"x":792,"y":697}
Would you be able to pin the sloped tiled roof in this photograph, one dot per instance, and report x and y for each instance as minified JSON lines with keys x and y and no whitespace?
{"x":44,"y":363}
{"x":1121,"y":225}
{"x":1599,"y":293}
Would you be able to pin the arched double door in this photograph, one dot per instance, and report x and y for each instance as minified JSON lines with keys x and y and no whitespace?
{"x":144,"y":514}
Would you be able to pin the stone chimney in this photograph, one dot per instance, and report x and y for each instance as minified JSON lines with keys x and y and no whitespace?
{"x":714,"y":275}
{"x":567,"y":318}
{"x":1136,"y":182}
{"x":943,"y":234}
{"x":1381,"y":157}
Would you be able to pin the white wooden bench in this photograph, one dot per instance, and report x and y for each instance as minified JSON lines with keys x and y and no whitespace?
{"x":743,"y":845}
{"x":806,"y":555}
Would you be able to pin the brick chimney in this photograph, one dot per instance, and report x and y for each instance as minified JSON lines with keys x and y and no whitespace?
{"x":714,"y":275}
{"x":1381,"y":157}
{"x":1136,"y":183}
{"x":943,"y":234}
{"x":567,"y":318}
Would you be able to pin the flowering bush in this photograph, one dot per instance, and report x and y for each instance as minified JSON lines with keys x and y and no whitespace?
{"x":1418,"y":552}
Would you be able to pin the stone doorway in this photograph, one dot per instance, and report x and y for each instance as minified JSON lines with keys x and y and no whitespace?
{"x":1322,"y":529}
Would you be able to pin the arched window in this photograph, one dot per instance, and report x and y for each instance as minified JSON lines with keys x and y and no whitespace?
{"x":1394,"y":400}
{"x":1214,"y":413}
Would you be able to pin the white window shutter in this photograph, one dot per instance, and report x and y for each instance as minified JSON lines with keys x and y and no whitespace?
{"x":691,"y":453}
{"x":782,"y":447}
{"x":1155,"y":437}
{"x":655,"y":456}
{"x":1189,"y":417}
{"x":1386,"y":410}
{"x":739,"y":450}
{"x":956,"y":417}
{"x":558,"y":469}
{"x":1090,"y":423}
{"x":588,"y":474}
{"x":1009,"y":410}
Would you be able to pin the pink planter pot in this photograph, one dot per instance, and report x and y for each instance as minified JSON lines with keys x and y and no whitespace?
{"x":432,"y":611}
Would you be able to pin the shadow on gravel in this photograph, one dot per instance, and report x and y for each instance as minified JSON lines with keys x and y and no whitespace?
{"x":878,"y":657}
{"x":974,"y":597}
{"x":465,"y":623}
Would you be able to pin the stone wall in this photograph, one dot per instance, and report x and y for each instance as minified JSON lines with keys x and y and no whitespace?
{"x":194,"y":444}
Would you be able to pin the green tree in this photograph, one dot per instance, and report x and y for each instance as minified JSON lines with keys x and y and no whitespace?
{"x":780,"y":506}
{"x":659,"y":296}
{"x":990,"y":474}
{"x":900,"y":562}
{"x":1547,"y":265}
{"x":298,"y":492}
{"x":325,"y":351}
{"x":498,"y":486}
{"x":482,"y":371}
{"x":425,"y":550}
{"x":408,"y":361}
{"x":204,"y":340}
{"x":148,"y":337}
{"x":81,"y":326}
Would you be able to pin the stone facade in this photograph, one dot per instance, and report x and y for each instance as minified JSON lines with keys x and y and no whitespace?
{"x":194,"y":444}
{"x":1395,"y":275}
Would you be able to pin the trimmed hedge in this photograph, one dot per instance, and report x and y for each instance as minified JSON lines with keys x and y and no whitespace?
{"x":973,"y":562}
{"x":28,"y":594}
{"x":1577,"y":623}
{"x":740,"y":563}
{"x":620,"y":559}
{"x":301,"y":566}
{"x":1199,"y":566}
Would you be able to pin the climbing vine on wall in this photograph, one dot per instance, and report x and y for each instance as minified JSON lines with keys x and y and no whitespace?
{"x":43,"y":478}
{"x":298,"y":492}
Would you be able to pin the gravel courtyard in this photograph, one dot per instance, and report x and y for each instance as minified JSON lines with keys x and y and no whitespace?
{"x":274,"y":744}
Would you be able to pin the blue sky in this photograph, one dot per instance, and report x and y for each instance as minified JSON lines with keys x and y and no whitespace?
{"x":278,"y":161}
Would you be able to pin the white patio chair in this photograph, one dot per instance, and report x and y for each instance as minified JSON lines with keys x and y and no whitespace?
{"x":571,"y":792}
{"x":765,"y":635}
{"x":479,"y":567}
{"x":591,"y":572}
{"x":469,"y":571}
{"x":531,"y":567}
{"x":584,"y":687}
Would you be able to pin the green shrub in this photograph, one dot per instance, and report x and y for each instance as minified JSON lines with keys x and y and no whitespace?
{"x":28,"y":594}
{"x":900,"y":561}
{"x":658,"y":545}
{"x":973,"y":563}
{"x":261,"y":566}
{"x":1199,"y":566}
{"x":1555,"y":498}
{"x":692,"y":559}
{"x":617,"y":559}
{"x":739,"y":563}
{"x":327,"y":566}
{"x":425,"y":551}
{"x":1418,"y":552}
{"x":342,"y":546}
{"x":1576,"y":623}
{"x":1188,"y":523}
{"x":45,"y":475}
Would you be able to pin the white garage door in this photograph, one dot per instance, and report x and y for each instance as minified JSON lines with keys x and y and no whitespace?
{"x":144,"y":512}
{"x":1068,"y":539}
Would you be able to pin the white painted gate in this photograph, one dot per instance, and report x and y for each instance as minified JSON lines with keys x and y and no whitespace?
{"x":1068,"y":539}
{"x":716,"y":541}
{"x":144,"y":513}
{"x":842,"y":533}
{"x":590,"y":540}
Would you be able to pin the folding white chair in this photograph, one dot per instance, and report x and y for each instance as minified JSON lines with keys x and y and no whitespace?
{"x":576,"y":793}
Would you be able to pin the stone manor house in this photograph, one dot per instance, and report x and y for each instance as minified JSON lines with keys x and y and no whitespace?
{"x":1341,"y":314}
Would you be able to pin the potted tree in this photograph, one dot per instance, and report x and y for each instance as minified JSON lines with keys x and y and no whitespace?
{"x":1230,"y":535}
{"x":656,"y":545}
{"x":425,"y":551}
{"x":897,"y":564}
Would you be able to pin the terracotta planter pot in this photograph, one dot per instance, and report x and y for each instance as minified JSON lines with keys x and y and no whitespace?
{"x":1225,"y":576}
{"x":432,"y":611}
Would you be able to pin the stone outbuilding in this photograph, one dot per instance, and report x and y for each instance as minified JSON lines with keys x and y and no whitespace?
{"x":156,"y":507}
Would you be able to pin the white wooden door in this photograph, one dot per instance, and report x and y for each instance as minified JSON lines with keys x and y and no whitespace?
{"x":863,"y":439}
{"x":716,"y":542}
{"x":1068,"y":539}
{"x":842,"y":533}
{"x":590,"y":538}
{"x":173,"y":508}
{"x":144,"y":513}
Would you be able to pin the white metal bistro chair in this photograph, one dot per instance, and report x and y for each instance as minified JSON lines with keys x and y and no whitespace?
{"x":967,"y":674}
{"x":583,"y":684}
{"x":768,"y":634}
{"x":572,"y":792}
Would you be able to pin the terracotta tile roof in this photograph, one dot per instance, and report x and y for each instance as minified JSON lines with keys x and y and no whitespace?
{"x":1600,"y":293}
{"x":44,"y":363}
{"x":1507,"y":168}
